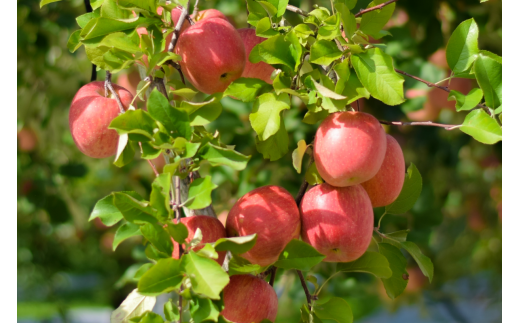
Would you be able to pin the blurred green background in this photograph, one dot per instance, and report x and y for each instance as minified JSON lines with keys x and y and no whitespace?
{"x":67,"y":271}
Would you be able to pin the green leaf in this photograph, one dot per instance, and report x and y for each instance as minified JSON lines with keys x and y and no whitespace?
{"x":376,"y":72}
{"x":110,"y":9}
{"x":107,"y":212}
{"x":199,"y":195}
{"x":265,"y":117}
{"x":256,"y":12}
{"x":207,"y":251}
{"x":171,"y":311}
{"x":409,"y":193}
{"x":312,"y":176}
{"x":141,"y":271}
{"x":74,"y":42}
{"x":202,"y":113}
{"x":44,"y":2}
{"x":177,"y":231}
{"x":424,"y":262}
{"x":160,"y":196}
{"x":174,"y":120}
{"x":126,"y":156}
{"x":370,"y":262}
{"x":165,"y":276}
{"x":121,"y":41}
{"x":206,"y":276}
{"x":343,"y":72}
{"x":158,"y":236}
{"x":127,"y":230}
{"x":466,"y":102}
{"x":297,"y":155}
{"x":241,"y":266}
{"x":330,"y":28}
{"x":299,"y":255}
{"x":237,"y":245}
{"x":218,"y":156}
{"x":148,"y":317}
{"x":133,"y":209}
{"x":324,"y":52}
{"x":325,"y":92}
{"x":482,"y":127}
{"x":372,"y":22}
{"x":264,"y":29}
{"x":462,"y":47}
{"x":134,"y":121}
{"x":103,"y":26}
{"x":347,"y":18}
{"x":489,"y":77}
{"x":275,"y":147}
{"x":247,"y":89}
{"x":354,"y":90}
{"x":396,"y":284}
{"x":134,"y":305}
{"x":336,"y":309}
{"x":275,"y":50}
{"x":203,"y":310}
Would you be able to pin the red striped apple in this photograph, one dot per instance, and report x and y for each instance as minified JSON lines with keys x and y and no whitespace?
{"x":271,"y":213}
{"x":212,"y":53}
{"x":211,"y":230}
{"x":384,"y":188}
{"x":259,"y":70}
{"x":90,"y":115}
{"x":249,"y":299}
{"x":349,"y":148}
{"x":337,"y":221}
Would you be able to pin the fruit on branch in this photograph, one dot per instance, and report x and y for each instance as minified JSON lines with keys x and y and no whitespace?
{"x":384,"y":188}
{"x":349,"y":148}
{"x":211,"y":230}
{"x":129,"y":80}
{"x":249,"y":299}
{"x":212,"y":53}
{"x":259,"y":70}
{"x":90,"y":115}
{"x":337,"y":221}
{"x":209,"y":13}
{"x":271,"y":213}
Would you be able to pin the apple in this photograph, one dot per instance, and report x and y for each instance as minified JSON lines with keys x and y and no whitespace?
{"x":337,"y":221}
{"x":259,"y":70}
{"x":212,"y":53}
{"x":27,"y":139}
{"x":384,"y":188}
{"x":209,"y":13}
{"x":270,"y":212}
{"x":349,"y":148}
{"x":211,"y":230}
{"x":90,"y":115}
{"x":249,"y":299}
{"x":129,"y":81}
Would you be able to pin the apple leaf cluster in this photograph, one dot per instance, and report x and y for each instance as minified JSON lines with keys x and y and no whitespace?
{"x":327,"y":62}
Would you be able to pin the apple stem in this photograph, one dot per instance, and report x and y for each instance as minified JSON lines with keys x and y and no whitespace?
{"x":178,"y":27}
{"x":195,"y":9}
{"x":108,"y":85}
{"x":305,"y":288}
{"x":297,"y":10}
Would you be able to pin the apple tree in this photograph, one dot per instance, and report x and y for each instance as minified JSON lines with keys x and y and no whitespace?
{"x":324,"y":64}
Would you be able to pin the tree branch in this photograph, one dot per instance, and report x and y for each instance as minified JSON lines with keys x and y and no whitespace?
{"x":178,"y":27}
{"x":305,"y":288}
{"x":379,"y":6}
{"x":108,"y":85}
{"x":195,"y":9}
{"x":425,"y":123}
{"x":297,"y":10}
{"x":273,"y":276}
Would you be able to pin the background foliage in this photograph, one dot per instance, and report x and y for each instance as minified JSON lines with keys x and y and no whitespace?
{"x":65,"y":262}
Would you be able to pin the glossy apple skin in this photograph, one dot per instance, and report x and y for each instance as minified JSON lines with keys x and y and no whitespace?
{"x":211,"y":230}
{"x":90,"y":115}
{"x":337,"y":221}
{"x":384,"y":188}
{"x":213,"y":55}
{"x":349,"y":148}
{"x":249,"y":299}
{"x":271,"y":213}
{"x":259,"y":70}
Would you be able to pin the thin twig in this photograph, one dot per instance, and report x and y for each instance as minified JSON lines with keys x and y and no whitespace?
{"x":195,"y":9}
{"x":424,"y":123}
{"x":108,"y":85}
{"x":273,"y":276}
{"x":178,"y":27}
{"x":177,"y":198}
{"x":305,"y":288}
{"x":361,"y":12}
{"x":297,"y":10}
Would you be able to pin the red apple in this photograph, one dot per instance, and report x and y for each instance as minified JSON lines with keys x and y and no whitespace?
{"x":271,"y":213}
{"x":349,"y":148}
{"x":259,"y":70}
{"x":212,"y":53}
{"x":249,"y":299}
{"x":90,"y":115}
{"x":129,"y":81}
{"x":211,"y":230}
{"x":384,"y":188}
{"x":209,"y":13}
{"x":337,"y":221}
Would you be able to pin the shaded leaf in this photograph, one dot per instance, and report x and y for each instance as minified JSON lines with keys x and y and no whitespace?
{"x":409,"y":193}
